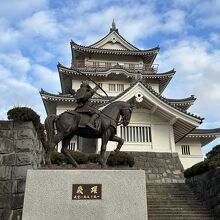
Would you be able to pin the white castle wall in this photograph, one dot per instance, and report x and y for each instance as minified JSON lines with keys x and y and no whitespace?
{"x":105,"y":85}
{"x":162,"y":134}
{"x":195,"y":152}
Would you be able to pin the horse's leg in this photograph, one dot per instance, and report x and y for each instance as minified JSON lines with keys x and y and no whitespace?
{"x":120,"y":143}
{"x":56,"y":139}
{"x":105,"y":138}
{"x":64,"y":150}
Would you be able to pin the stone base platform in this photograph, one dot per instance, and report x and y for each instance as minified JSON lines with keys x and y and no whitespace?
{"x":49,"y":195}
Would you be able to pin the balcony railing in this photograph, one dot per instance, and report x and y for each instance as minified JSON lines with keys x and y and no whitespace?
{"x":103,"y":66}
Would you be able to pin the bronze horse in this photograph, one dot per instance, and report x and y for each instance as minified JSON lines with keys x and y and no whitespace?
{"x":73,"y":123}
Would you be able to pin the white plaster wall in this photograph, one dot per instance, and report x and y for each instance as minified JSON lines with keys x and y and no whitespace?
{"x":76,"y":84}
{"x":155,"y":86}
{"x":105,"y":85}
{"x":64,"y":107}
{"x":113,"y":46}
{"x":161,"y":130}
{"x":161,"y":137}
{"x":195,"y":152}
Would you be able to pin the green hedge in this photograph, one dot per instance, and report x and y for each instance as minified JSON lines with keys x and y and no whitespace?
{"x":120,"y":159}
{"x":27,"y":114}
{"x":202,"y":167}
{"x":214,"y":152}
{"x":58,"y":158}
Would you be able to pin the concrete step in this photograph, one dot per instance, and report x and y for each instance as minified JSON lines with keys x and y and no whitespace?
{"x":174,"y":202}
{"x":153,"y":217}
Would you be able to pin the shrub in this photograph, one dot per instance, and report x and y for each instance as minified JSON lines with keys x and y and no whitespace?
{"x":121,"y":159}
{"x":24,"y":114}
{"x":57,"y":158}
{"x":93,"y":158}
{"x":79,"y":157}
{"x":214,"y":152}
{"x":27,"y":114}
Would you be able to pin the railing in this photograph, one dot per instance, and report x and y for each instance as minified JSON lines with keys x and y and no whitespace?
{"x":103,"y":66}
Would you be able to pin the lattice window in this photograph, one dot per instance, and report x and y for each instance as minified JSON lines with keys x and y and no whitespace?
{"x":120,"y":87}
{"x":131,"y":66}
{"x":108,"y":65}
{"x":80,"y":63}
{"x":136,"y":134}
{"x":95,"y":64}
{"x":185,"y":149}
{"x":111,"y":87}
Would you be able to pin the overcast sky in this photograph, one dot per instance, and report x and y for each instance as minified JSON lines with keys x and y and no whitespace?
{"x":35,"y":36}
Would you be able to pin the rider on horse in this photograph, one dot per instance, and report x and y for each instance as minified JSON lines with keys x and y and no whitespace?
{"x":82,"y":96}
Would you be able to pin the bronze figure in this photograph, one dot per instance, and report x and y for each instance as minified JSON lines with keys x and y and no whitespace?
{"x":86,"y":121}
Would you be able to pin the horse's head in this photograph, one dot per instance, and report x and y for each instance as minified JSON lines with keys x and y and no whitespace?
{"x":126,"y":113}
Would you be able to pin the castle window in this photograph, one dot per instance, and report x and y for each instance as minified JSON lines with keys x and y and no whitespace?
{"x":95,"y":64}
{"x":80,"y":63}
{"x":136,"y":134}
{"x":108,"y":65}
{"x":111,"y":87}
{"x":185,"y":149}
{"x":120,"y":87}
{"x":131,"y":66}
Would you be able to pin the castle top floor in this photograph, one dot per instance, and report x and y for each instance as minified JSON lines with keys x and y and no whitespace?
{"x":113,"y":51}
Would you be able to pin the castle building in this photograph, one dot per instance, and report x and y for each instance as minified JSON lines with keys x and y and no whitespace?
{"x":129,"y":74}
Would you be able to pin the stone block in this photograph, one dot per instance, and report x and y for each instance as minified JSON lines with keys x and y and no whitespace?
{"x":10,"y":134}
{"x":20,"y":172}
{"x":24,"y":158}
{"x":17,"y":201}
{"x":177,"y":172}
{"x":152,"y":176}
{"x":123,"y":195}
{"x":9,"y":159}
{"x":6,"y":187}
{"x":6,"y":145}
{"x":23,"y":125}
{"x":5,"y":172}
{"x":26,"y":133}
{"x":12,"y":214}
{"x":161,"y":170}
{"x":11,"y":201}
{"x":6,"y":125}
{"x":24,"y":145}
{"x":21,"y":185}
{"x":5,"y":201}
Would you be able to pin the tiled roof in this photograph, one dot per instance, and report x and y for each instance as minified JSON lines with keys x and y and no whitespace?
{"x":103,"y":72}
{"x":116,"y":31}
{"x":191,"y":98}
{"x":183,"y":103}
{"x":103,"y":100}
{"x":113,"y":51}
{"x":149,"y":88}
{"x":68,"y":97}
{"x":205,"y":132}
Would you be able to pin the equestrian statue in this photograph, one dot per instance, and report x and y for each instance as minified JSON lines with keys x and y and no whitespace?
{"x":88,"y":122}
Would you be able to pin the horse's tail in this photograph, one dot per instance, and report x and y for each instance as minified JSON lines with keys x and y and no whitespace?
{"x":49,"y":126}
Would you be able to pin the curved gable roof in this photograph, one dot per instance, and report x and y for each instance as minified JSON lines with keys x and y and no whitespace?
{"x":112,"y":36}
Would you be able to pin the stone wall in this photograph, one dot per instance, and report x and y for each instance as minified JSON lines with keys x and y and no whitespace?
{"x":20,"y":150}
{"x":207,"y":188}
{"x":160,"y":167}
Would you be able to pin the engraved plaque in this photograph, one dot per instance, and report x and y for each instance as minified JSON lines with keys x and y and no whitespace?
{"x":87,"y":191}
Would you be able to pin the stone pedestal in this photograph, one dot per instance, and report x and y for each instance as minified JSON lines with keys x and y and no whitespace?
{"x":48,"y":195}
